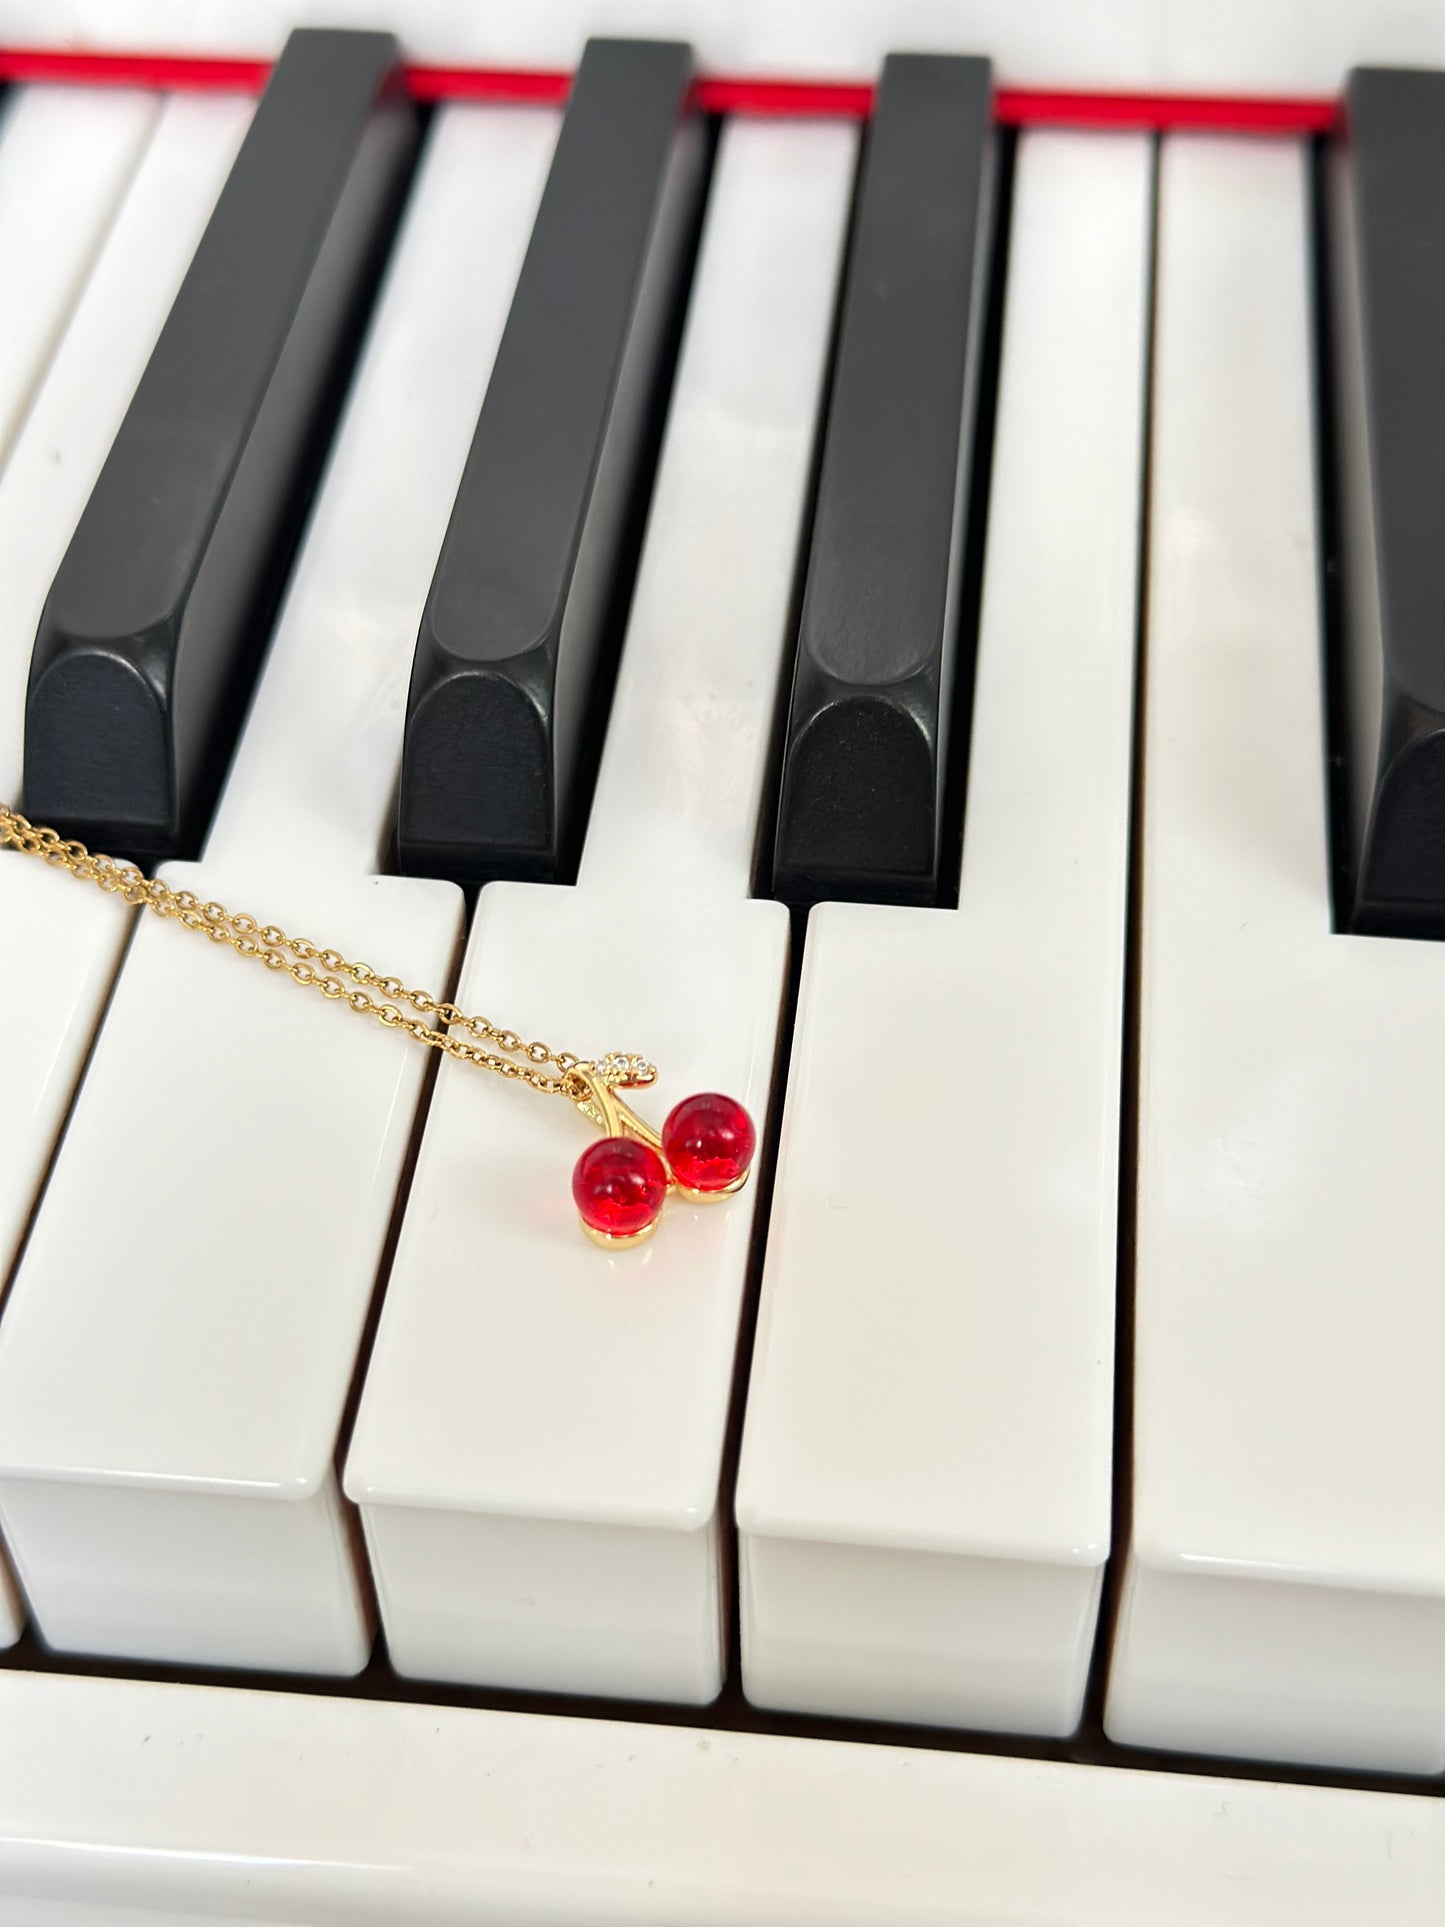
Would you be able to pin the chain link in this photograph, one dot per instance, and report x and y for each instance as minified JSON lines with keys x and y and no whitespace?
{"x":328,"y":972}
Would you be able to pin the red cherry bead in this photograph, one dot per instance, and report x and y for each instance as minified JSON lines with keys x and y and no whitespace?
{"x":619,"y":1185}
{"x":709,"y":1141}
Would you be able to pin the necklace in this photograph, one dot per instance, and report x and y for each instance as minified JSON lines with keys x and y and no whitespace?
{"x":619,"y":1184}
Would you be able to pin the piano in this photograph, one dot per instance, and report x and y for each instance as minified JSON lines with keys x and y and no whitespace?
{"x":889,"y":560}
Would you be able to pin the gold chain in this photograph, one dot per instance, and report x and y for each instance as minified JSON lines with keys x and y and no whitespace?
{"x":328,"y":972}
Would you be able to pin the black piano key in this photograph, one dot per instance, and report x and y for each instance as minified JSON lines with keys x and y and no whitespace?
{"x":866,"y":743}
{"x":1386,"y":239}
{"x":152,"y":630}
{"x":521,"y":624}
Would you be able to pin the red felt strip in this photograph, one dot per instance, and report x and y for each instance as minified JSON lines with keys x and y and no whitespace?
{"x":1165,"y":113}
{"x":831,"y":99}
{"x":487,"y":83}
{"x":716,"y":94}
{"x":182,"y":73}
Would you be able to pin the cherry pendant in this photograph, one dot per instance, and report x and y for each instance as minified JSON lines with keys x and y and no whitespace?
{"x":620,"y":1184}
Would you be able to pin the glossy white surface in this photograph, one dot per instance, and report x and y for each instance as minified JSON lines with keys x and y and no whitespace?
{"x":76,"y":329}
{"x":925,"y":1480}
{"x":201,"y":1804}
{"x":173,"y":1379}
{"x":538,"y":1445}
{"x":206,"y":1576}
{"x":1285,"y":1586}
{"x":61,"y":968}
{"x":1249,"y":46}
{"x":59,"y":948}
{"x":209,"y":1348}
{"x":66,"y":158}
{"x":67,"y":155}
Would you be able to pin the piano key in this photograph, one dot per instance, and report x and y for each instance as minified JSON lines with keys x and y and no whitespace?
{"x":1387,"y":194}
{"x":173,"y":1380}
{"x":66,"y":159}
{"x":538,"y":1442}
{"x":924,"y":1487}
{"x":867,"y":743}
{"x":59,"y":946}
{"x":1284,"y":1590}
{"x":206,"y":1803}
{"x":523,"y":616}
{"x":149,"y":636}
{"x":67,"y":156}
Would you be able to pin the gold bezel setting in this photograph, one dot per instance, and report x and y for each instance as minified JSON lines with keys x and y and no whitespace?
{"x":617,"y":1240}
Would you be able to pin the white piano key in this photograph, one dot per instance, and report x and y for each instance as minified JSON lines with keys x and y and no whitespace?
{"x":1284,"y":1593}
{"x":148,"y":1803}
{"x":924,"y":1489}
{"x":59,"y":945}
{"x":66,"y":159}
{"x":538,"y":1443}
{"x":67,"y":155}
{"x":173,"y":1377}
